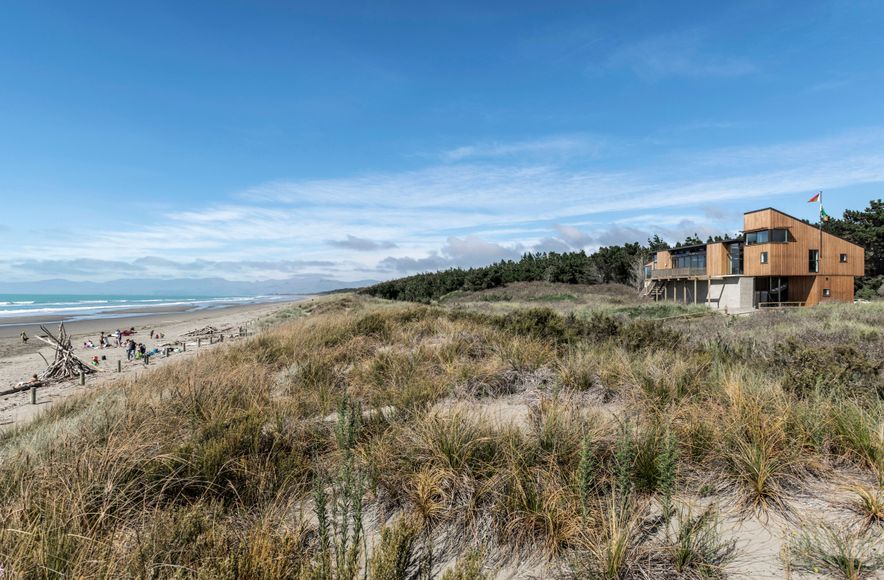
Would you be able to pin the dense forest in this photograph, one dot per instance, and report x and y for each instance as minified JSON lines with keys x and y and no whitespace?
{"x":620,"y":264}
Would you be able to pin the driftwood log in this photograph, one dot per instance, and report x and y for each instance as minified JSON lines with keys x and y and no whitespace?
{"x":66,"y":364}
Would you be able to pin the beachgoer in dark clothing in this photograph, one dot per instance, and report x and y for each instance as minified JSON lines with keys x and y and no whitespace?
{"x":24,"y":337}
{"x":130,"y":349}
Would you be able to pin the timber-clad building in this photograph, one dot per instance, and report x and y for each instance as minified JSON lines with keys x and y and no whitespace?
{"x":778,"y":260}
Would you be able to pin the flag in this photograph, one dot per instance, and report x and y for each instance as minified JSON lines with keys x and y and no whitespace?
{"x":814,"y":198}
{"x":823,"y":215}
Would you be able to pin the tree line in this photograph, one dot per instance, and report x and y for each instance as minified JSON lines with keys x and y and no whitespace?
{"x":618,"y":264}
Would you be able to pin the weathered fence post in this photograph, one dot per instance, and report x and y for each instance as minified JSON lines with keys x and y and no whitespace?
{"x":33,"y":395}
{"x":119,"y":366}
{"x":82,"y":378}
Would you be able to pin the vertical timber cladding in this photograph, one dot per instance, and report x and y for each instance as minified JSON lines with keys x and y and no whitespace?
{"x":791,"y":258}
{"x":664,"y":260}
{"x":801,"y":289}
{"x":717,"y":259}
{"x":840,"y":288}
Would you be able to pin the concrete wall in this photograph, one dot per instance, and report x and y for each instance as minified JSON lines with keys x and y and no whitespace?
{"x":733,"y":293}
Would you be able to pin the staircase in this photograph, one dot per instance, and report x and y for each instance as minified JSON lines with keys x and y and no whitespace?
{"x":655,"y":289}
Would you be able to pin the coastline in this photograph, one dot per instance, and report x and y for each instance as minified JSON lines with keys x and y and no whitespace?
{"x":19,"y":361}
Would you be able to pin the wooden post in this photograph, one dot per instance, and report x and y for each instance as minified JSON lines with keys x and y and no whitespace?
{"x":665,"y":291}
{"x":222,"y":338}
{"x":199,"y":342}
{"x":82,"y":378}
{"x":695,"y":290}
{"x":146,"y":358}
{"x":184,"y":346}
{"x":119,"y":366}
{"x":33,"y":395}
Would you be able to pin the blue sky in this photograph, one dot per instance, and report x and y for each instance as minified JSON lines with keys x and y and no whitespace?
{"x":257,"y":140}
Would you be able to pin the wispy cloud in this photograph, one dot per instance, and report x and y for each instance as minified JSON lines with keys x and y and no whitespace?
{"x":361,"y":244}
{"x":556,"y":146}
{"x":459,"y":213}
{"x":684,"y":53}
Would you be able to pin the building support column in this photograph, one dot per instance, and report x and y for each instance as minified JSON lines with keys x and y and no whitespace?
{"x":695,"y":290}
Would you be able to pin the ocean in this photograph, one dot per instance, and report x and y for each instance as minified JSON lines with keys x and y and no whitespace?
{"x":81,"y":307}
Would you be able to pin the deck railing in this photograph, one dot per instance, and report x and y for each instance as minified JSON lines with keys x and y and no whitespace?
{"x":677,"y":273}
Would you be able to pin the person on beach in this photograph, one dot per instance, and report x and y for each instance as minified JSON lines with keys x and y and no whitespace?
{"x":101,"y":340}
{"x":34,"y":382}
{"x":151,"y":334}
{"x":130,"y":349}
{"x":24,"y":337}
{"x":118,"y":337}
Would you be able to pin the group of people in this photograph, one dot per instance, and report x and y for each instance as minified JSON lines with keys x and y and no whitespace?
{"x":134,"y":350}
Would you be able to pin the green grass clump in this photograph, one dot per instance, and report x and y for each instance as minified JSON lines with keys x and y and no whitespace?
{"x":837,"y":551}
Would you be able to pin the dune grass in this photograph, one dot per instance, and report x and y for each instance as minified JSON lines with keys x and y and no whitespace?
{"x":330,"y":446}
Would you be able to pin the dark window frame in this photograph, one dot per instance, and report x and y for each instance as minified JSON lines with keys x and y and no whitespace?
{"x":827,"y":293}
{"x":842,"y":258}
{"x":764,"y":257}
{"x":813,"y":261}
{"x":759,"y":237}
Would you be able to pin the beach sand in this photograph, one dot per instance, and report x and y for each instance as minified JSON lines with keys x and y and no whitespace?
{"x":19,"y":361}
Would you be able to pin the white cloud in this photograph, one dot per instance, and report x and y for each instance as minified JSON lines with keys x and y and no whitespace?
{"x":458,"y":213}
{"x":684,"y":53}
{"x":556,"y":146}
{"x":361,"y":244}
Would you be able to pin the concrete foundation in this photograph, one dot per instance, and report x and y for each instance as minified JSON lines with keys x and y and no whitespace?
{"x":733,"y":293}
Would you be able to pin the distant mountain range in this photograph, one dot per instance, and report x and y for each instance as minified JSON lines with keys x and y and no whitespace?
{"x":183,"y":286}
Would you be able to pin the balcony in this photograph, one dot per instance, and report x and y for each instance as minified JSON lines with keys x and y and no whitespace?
{"x":677,"y":273}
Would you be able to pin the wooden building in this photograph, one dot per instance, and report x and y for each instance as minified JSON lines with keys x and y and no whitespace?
{"x":778,"y":260}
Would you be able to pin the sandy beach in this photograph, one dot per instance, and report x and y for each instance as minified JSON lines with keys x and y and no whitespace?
{"x":19,"y":361}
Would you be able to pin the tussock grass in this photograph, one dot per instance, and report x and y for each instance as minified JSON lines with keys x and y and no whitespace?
{"x":286,"y":454}
{"x":837,"y":551}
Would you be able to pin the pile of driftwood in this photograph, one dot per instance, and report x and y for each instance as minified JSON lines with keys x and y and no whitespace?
{"x":206,"y":331}
{"x":66,"y":364}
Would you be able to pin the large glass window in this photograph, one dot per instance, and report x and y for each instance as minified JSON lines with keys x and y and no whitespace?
{"x":779,"y":236}
{"x":736,"y":255}
{"x":694,"y":260}
{"x":813,"y":261}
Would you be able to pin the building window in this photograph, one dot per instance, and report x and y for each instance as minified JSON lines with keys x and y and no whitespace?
{"x":826,"y":292}
{"x":736,"y":259}
{"x":764,"y":257}
{"x":813,"y":261}
{"x":842,"y":258}
{"x":777,"y":236}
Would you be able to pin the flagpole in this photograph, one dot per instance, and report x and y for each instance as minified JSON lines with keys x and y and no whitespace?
{"x":820,"y":262}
